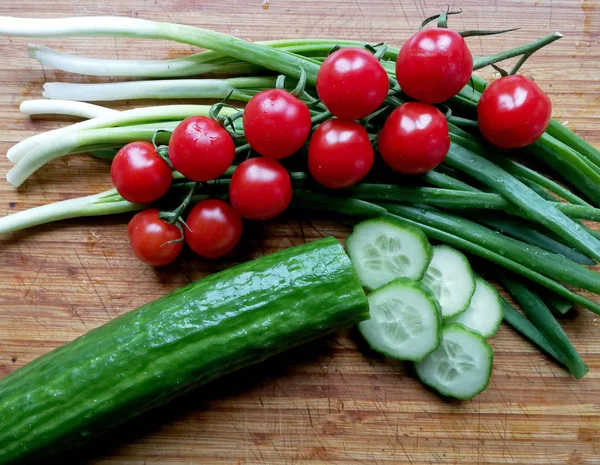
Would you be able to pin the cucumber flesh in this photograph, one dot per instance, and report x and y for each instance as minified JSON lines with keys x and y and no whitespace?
{"x":461,"y":366}
{"x":485,"y":312}
{"x":405,"y":321}
{"x":383,"y":249}
{"x":451,"y":279}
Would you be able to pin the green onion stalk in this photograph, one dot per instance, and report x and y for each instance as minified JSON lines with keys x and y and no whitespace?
{"x":35,"y":152}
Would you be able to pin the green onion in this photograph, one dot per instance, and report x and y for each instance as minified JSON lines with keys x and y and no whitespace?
{"x":543,"y":319}
{"x":435,"y":178}
{"x":564,"y":135}
{"x":235,"y":89}
{"x":527,"y":329}
{"x":35,"y":152}
{"x":520,"y":231}
{"x":531,"y":203}
{"x":104,"y":203}
{"x":305,"y":199}
{"x":555,"y":303}
{"x":64,"y":107}
{"x":192,"y":65}
{"x":574,"y":169}
{"x":267,"y":57}
{"x":555,"y":266}
{"x":458,"y":199}
{"x":494,"y":257}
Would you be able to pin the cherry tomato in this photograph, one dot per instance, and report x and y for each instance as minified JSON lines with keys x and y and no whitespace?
{"x":276,"y":124}
{"x":414,"y":138}
{"x":434,"y":65}
{"x":513,"y":112}
{"x":352,"y":83}
{"x":151,"y":237}
{"x":339,"y":153}
{"x":200,"y":149}
{"x":214,"y":228}
{"x":260,"y":188}
{"x":139,"y":174}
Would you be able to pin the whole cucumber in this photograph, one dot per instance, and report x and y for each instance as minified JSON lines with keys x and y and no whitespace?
{"x":163,"y":349}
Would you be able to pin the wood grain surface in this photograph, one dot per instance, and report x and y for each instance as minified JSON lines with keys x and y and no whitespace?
{"x":332,"y":401}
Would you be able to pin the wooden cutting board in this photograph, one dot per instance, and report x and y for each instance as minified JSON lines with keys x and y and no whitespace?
{"x":331,"y":401}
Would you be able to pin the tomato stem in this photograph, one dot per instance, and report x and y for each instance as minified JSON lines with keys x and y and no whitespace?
{"x":443,"y":20}
{"x":162,"y":150}
{"x":280,"y":82}
{"x":180,"y":238}
{"x":173,"y":217}
{"x":486,"y":32}
{"x":426,"y":21}
{"x":530,"y":48}
{"x":321,"y":117}
{"x":298,"y":91}
{"x":520,"y":63}
{"x":502,"y":71}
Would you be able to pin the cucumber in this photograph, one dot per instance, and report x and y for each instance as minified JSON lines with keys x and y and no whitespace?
{"x":146,"y":357}
{"x":485,"y":312}
{"x":405,"y":321}
{"x":461,"y":366}
{"x":451,"y":279}
{"x":383,"y":249}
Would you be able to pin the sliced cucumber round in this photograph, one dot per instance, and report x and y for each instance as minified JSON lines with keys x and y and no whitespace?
{"x":461,"y":366}
{"x":450,"y":278}
{"x":383,"y":249}
{"x":405,"y":321}
{"x":485,"y":311}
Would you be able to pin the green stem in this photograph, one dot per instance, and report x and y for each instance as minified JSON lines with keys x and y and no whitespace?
{"x":501,"y":260}
{"x":173,"y":217}
{"x":552,"y":265}
{"x":528,"y":330}
{"x":104,"y":203}
{"x":457,"y":198}
{"x":445,"y":181}
{"x":267,"y":57}
{"x":55,"y":144}
{"x":531,"y":203}
{"x":519,"y":230}
{"x":564,"y":135}
{"x":520,"y":63}
{"x":241,"y":88}
{"x":479,"y":63}
{"x":543,"y":319}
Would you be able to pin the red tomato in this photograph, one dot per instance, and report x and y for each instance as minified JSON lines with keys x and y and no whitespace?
{"x":513,"y":112}
{"x":414,"y":138}
{"x":139,"y":174}
{"x":276,"y":124}
{"x":340,"y":153}
{"x":434,"y":65}
{"x":200,"y":149}
{"x":260,"y":189}
{"x":214,"y":228}
{"x":352,"y":83}
{"x":150,"y":236}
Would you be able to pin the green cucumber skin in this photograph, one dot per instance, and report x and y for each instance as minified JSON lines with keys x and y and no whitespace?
{"x":146,"y":357}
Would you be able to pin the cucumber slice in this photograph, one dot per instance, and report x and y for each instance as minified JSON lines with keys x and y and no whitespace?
{"x":485,"y":312}
{"x":383,"y":249}
{"x":461,"y":366}
{"x":405,"y":321}
{"x":450,"y":278}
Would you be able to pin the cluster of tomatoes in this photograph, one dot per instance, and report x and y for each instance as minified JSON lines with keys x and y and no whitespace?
{"x":432,"y":66}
